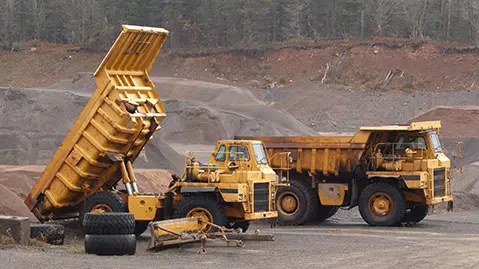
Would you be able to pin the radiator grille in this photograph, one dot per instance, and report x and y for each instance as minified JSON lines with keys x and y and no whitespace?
{"x":439,"y":181}
{"x":261,"y":197}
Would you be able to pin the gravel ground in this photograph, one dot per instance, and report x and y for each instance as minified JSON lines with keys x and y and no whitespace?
{"x":328,"y":108}
{"x":441,"y":241}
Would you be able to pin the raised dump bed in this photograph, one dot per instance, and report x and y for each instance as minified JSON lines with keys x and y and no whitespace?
{"x":116,"y":123}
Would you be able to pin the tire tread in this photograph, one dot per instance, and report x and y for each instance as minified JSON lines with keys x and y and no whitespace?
{"x":124,"y":244}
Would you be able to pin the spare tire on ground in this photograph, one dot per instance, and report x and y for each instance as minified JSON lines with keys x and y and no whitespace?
{"x":122,"y":244}
{"x":108,"y":223}
{"x":50,"y":233}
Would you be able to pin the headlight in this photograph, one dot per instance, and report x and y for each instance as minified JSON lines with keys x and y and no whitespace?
{"x":240,"y":197}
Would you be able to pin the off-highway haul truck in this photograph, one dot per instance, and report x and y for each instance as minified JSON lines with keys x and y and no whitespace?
{"x":393,"y":173}
{"x":92,"y":169}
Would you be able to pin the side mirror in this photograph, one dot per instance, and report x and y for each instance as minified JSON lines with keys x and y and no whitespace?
{"x":290,"y":159}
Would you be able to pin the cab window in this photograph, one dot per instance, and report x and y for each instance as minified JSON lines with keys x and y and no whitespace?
{"x":239,"y":153}
{"x":412,"y":142}
{"x":221,"y":154}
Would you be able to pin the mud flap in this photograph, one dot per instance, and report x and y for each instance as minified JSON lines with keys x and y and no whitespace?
{"x":450,"y":206}
{"x":353,"y":201}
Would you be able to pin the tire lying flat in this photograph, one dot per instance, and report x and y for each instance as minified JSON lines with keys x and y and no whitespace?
{"x":122,"y":244}
{"x":108,"y":223}
{"x":50,"y":233}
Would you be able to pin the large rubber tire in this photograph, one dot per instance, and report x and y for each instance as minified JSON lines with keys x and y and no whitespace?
{"x":141,"y":226}
{"x":109,"y":223}
{"x":373,"y":200}
{"x":325,"y":212}
{"x":50,"y":233}
{"x":416,"y":213}
{"x":124,"y":244}
{"x":306,"y":203}
{"x":195,"y":205}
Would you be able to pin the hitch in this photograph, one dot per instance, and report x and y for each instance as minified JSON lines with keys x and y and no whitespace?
{"x":189,"y":230}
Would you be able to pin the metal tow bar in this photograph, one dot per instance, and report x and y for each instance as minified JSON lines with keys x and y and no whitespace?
{"x":188,"y":230}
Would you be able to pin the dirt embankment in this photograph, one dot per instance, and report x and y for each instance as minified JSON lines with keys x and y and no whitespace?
{"x":329,"y":109}
{"x":35,"y":121}
{"x":17,"y":181}
{"x":365,"y":65}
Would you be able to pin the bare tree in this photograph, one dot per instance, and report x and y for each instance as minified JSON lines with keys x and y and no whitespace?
{"x":84,"y":20}
{"x":473,"y":8}
{"x":382,"y":12}
{"x":416,"y":16}
{"x":38,"y":13}
{"x":7,"y":25}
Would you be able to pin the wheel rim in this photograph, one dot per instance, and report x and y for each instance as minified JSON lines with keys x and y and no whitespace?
{"x":380,"y":204}
{"x":101,"y":208}
{"x":288,"y":203}
{"x":203,"y":214}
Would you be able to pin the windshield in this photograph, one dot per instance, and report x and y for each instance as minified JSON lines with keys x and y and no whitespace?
{"x":260,"y":154}
{"x":436,"y":144}
{"x":239,"y":153}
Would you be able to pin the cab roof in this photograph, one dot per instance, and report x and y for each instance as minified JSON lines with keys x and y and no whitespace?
{"x":415,"y":126}
{"x":240,"y":141}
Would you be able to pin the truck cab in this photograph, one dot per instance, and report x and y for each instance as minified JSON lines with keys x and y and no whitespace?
{"x":417,"y":158}
{"x":236,"y":175}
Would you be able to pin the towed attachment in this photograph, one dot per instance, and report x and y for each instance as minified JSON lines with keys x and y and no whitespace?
{"x":188,"y":230}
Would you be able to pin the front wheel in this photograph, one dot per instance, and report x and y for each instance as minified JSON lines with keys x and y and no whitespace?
{"x":204,"y":207}
{"x":416,"y":213}
{"x":382,"y":204}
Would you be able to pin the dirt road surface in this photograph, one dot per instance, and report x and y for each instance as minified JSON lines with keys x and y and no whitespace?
{"x":441,"y":241}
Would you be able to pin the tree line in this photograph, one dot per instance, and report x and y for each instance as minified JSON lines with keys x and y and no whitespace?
{"x":243,"y":23}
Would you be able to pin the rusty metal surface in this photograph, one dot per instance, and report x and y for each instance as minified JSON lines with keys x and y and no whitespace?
{"x":188,"y":230}
{"x":115,"y":124}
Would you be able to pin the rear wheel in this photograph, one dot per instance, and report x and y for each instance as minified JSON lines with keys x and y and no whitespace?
{"x":141,"y":226}
{"x":325,"y":212}
{"x":108,"y":202}
{"x":104,"y":202}
{"x":204,"y":207}
{"x":416,"y":213}
{"x":296,"y":204}
{"x":382,"y":204}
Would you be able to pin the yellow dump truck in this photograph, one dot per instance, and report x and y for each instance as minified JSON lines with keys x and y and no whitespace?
{"x":84,"y":175}
{"x":393,"y":173}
